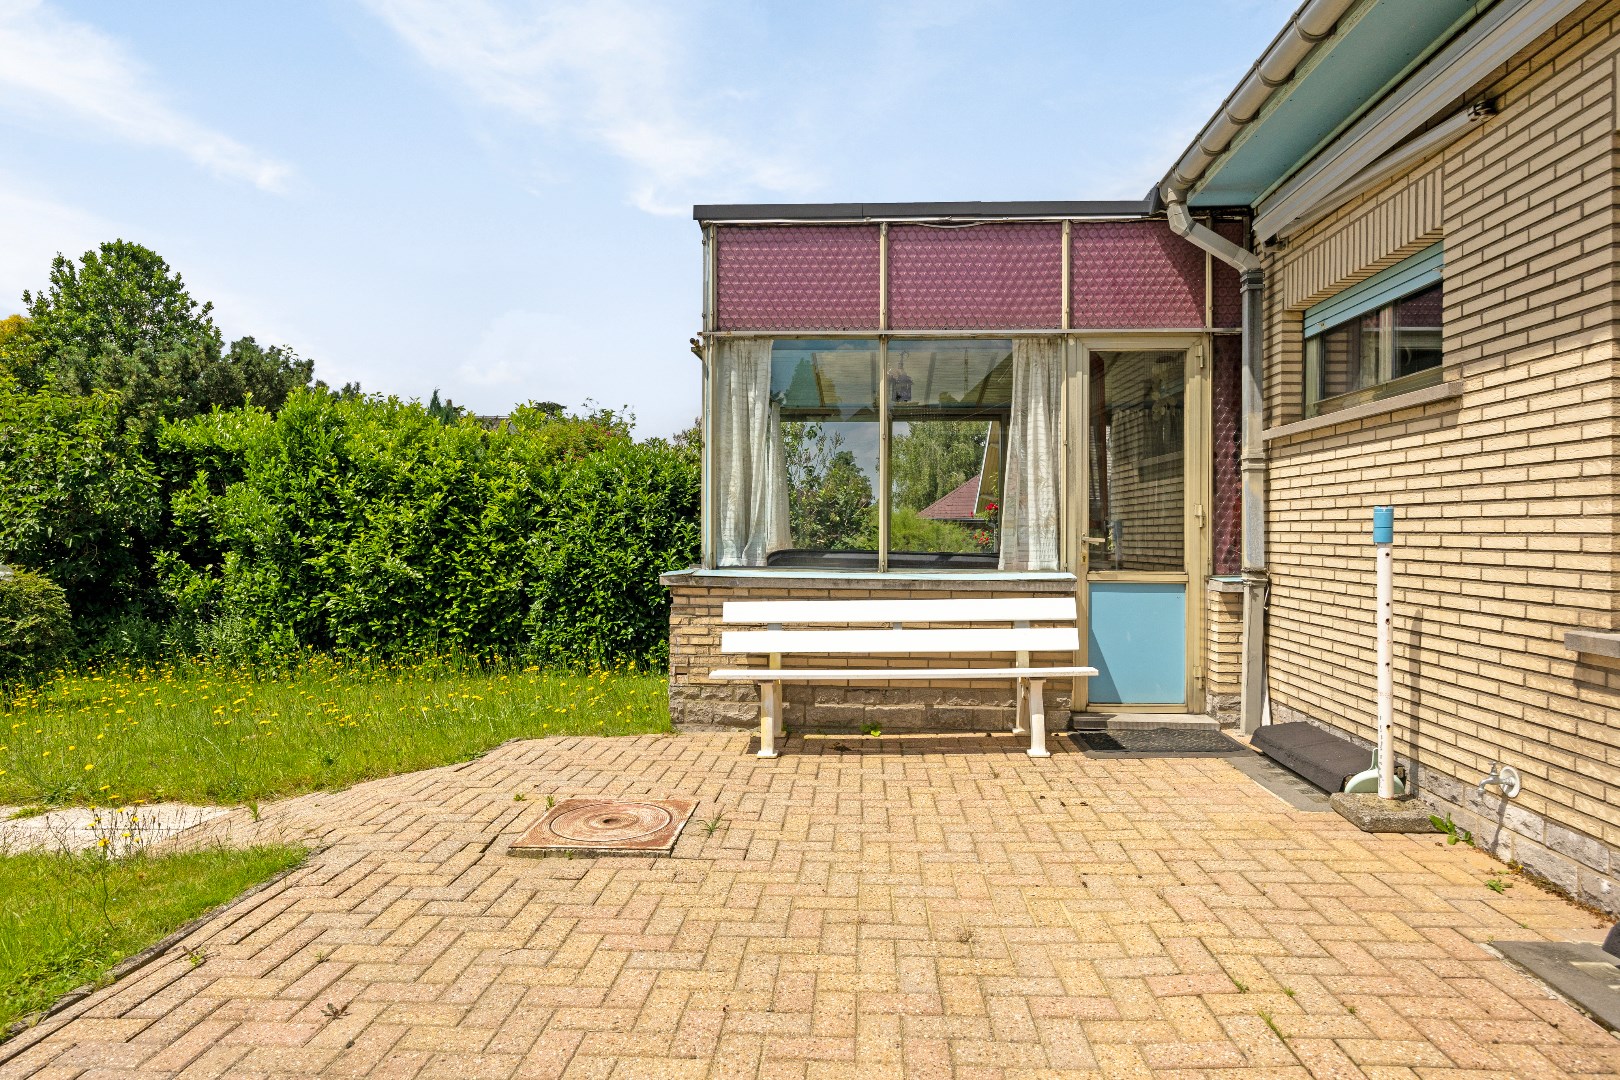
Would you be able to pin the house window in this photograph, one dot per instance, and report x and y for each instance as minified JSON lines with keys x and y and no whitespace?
{"x":1381,"y":338}
{"x":806,"y":431}
{"x":949,"y":408}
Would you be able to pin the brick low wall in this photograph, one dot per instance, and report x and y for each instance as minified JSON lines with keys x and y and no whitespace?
{"x":694,"y":651}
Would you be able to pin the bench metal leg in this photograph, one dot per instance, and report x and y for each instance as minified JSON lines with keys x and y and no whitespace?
{"x":1022,"y":705}
{"x":1037,"y":721}
{"x":770,"y":707}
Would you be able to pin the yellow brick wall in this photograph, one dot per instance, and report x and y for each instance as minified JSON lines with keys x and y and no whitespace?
{"x":1223,"y":649}
{"x":694,"y":647}
{"x":1506,"y":493}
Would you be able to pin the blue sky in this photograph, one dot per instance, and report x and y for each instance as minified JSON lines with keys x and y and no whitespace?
{"x":493,"y":198}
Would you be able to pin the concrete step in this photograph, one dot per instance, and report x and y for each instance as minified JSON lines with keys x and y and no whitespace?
{"x":1107,"y":721}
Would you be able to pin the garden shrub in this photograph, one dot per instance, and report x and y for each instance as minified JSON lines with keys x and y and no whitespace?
{"x":79,"y":501}
{"x":34,"y":623}
{"x":371,"y":526}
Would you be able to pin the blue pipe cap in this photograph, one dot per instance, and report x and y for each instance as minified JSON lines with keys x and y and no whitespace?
{"x":1383,"y":524}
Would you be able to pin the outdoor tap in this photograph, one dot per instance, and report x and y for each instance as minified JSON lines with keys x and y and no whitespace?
{"x":1505,"y":777}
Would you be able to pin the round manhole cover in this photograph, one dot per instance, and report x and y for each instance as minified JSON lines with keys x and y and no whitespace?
{"x":610,"y":822}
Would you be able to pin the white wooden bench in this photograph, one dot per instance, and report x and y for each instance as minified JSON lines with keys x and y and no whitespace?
{"x":899,"y":627}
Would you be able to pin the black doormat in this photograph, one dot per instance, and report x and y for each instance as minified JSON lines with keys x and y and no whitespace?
{"x":1155,"y":742}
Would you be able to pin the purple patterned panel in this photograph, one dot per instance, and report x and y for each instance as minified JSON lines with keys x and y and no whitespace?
{"x":797,"y":277}
{"x":1227,"y":394}
{"x":1135,"y":275}
{"x":995,"y":276}
{"x":1228,"y":297}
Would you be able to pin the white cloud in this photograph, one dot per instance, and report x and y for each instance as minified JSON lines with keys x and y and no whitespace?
{"x":617,"y":73}
{"x":37,"y":228}
{"x":55,"y":65}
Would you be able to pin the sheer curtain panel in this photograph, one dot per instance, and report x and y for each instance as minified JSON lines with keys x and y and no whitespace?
{"x":749,"y":465}
{"x":1029,"y":502}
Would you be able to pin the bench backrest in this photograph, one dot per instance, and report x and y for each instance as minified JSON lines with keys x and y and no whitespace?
{"x":900,"y":631}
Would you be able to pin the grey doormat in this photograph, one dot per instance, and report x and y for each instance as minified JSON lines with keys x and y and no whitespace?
{"x":1155,"y":742}
{"x":1580,"y":971}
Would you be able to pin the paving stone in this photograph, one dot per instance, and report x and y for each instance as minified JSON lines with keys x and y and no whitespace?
{"x":929,"y":906}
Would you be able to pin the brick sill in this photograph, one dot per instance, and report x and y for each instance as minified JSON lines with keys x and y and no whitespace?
{"x":1595,"y":642}
{"x":743,"y":578}
{"x":1410,"y":400}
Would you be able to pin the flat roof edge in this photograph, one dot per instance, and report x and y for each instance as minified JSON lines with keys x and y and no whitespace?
{"x":864,"y":211}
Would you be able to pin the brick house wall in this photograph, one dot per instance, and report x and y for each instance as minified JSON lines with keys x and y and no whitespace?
{"x":1505,"y":488}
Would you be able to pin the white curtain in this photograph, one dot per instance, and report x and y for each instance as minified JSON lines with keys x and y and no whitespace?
{"x":1029,"y":488}
{"x":750,"y":467}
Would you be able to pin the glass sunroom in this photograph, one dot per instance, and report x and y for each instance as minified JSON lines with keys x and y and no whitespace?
{"x":930,"y":401}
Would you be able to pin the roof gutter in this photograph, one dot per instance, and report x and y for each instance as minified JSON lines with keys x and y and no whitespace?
{"x":1310,"y":24}
{"x":1314,"y":21}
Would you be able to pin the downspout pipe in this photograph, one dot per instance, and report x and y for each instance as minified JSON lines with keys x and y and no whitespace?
{"x":1314,"y":21}
{"x":1252,"y":455}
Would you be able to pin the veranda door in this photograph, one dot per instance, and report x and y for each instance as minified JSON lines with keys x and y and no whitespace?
{"x":1143,"y":433}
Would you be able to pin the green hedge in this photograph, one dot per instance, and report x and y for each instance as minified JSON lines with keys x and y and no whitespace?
{"x":363,"y":526}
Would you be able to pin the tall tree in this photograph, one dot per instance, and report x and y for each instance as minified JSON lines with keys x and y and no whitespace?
{"x":932,"y":458}
{"x":119,"y":320}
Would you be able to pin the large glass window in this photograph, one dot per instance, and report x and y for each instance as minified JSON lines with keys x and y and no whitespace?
{"x":800,"y":454}
{"x":1388,"y":350}
{"x":826,"y":398}
{"x":949,"y":405}
{"x":1138,"y":464}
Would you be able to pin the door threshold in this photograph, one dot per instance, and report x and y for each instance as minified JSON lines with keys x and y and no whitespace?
{"x":1101,"y":720}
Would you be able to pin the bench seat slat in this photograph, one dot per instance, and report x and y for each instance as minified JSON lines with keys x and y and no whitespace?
{"x":887,"y":642}
{"x":970,"y":610}
{"x":878,"y":674}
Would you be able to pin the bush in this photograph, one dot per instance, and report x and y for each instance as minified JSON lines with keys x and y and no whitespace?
{"x":33,"y":622}
{"x":77,"y":496}
{"x":370,"y":526}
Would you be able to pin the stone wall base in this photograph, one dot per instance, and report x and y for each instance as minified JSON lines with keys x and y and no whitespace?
{"x":1583,"y":868}
{"x":833,"y":709}
{"x":1225,"y":708}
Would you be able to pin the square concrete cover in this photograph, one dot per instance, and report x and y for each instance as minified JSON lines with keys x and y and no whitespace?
{"x":608,"y":827}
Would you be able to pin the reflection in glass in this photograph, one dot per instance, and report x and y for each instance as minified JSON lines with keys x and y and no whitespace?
{"x":826,"y":396}
{"x":949,"y":406}
{"x":1137,"y":463}
{"x":1417,"y":332}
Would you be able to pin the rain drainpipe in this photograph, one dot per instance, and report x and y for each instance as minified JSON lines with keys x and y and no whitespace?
{"x":1251,"y":459}
{"x":1314,"y":21}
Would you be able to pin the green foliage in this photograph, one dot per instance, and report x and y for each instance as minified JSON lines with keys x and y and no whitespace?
{"x":79,"y":502}
{"x":445,"y":412}
{"x":830,"y":506}
{"x":33,"y":621}
{"x":910,"y":531}
{"x":933,"y":458}
{"x":1454,"y":832}
{"x":120,"y":322}
{"x":71,"y":918}
{"x":193,"y":498}
{"x":370,"y":526}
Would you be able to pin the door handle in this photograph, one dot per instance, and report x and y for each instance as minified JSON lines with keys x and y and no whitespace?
{"x":1096,"y":540}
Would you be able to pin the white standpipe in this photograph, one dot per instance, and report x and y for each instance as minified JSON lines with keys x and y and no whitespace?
{"x":1384,"y":541}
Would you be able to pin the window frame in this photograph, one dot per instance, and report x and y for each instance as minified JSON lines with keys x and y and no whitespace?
{"x":1380,"y":294}
{"x":883,"y":494}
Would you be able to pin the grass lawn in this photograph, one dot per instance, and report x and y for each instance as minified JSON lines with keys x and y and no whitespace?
{"x":208,"y":735}
{"x":66,"y":920}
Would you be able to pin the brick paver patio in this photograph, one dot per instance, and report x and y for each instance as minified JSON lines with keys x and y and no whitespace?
{"x":921,"y":907}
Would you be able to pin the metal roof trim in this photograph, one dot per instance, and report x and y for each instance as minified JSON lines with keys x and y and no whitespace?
{"x":760,"y":213}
